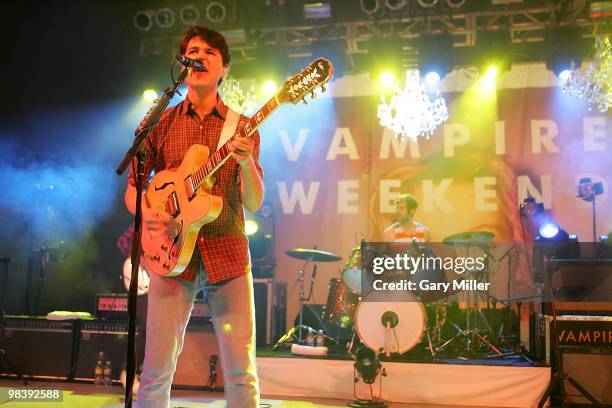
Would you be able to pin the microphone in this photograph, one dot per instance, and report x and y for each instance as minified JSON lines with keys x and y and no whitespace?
{"x":191,"y":63}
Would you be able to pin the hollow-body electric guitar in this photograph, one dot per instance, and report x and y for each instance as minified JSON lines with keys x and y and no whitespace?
{"x":184,"y":192}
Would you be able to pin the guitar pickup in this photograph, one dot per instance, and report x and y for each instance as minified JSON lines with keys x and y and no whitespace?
{"x":189,"y":187}
{"x":172,"y":205}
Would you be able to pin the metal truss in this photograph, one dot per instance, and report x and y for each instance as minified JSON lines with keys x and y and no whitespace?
{"x":525,"y":25}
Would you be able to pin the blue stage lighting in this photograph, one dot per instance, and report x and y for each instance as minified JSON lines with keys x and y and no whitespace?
{"x":549,"y":230}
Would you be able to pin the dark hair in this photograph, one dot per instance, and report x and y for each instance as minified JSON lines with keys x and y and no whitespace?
{"x":411,"y":202}
{"x":212,"y":37}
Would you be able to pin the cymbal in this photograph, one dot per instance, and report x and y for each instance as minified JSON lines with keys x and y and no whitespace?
{"x":469,"y":237}
{"x":313,"y":255}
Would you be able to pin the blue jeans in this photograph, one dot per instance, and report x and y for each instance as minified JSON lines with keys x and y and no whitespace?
{"x":233,"y":315}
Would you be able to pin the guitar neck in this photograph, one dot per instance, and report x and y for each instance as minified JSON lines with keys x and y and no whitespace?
{"x":216,"y":160}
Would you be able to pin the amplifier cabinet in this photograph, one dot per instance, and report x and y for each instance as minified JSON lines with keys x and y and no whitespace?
{"x":39,"y":348}
{"x":199,"y":360}
{"x":592,"y":369}
{"x":270,"y":310}
{"x":590,"y":332}
{"x":109,"y":337}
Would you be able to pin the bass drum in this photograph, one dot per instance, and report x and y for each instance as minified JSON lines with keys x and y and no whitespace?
{"x":402,"y":311}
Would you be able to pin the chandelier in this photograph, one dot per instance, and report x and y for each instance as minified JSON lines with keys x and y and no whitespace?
{"x":234,"y":96}
{"x":594,"y":83}
{"x":411,"y":112}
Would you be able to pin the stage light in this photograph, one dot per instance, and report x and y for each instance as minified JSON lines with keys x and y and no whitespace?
{"x":316,"y":11}
{"x":189,"y":15}
{"x":251,"y":227}
{"x":164,"y":17}
{"x":455,"y":4}
{"x":386,"y":80}
{"x":395,"y":5}
{"x":549,"y":230}
{"x":367,"y":365}
{"x":149,"y":95}
{"x":215,"y":12}
{"x":604,"y":247}
{"x":432,"y":78}
{"x":491,"y":71}
{"x":427,"y":3}
{"x":143,"y":20}
{"x":269,"y":87}
{"x":369,"y":6}
{"x":564,"y":75}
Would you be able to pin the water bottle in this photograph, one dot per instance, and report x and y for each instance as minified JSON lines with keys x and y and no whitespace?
{"x":99,"y":369}
{"x":108,"y":369}
{"x":320,"y":340}
{"x":310,"y":339}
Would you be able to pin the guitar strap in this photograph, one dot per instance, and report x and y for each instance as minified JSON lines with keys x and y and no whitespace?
{"x":229,"y":127}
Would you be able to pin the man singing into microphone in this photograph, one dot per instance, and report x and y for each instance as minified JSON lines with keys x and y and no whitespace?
{"x":220,"y":265}
{"x":406,"y":229}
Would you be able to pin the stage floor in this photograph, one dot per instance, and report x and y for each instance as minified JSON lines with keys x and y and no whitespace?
{"x":81,"y":395}
{"x":290,"y":381}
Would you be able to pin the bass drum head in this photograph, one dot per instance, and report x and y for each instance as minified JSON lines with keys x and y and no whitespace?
{"x":403,"y":308}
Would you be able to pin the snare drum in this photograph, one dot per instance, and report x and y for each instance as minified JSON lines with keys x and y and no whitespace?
{"x":402,"y":311}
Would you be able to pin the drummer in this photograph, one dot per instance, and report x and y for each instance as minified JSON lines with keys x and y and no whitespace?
{"x":405,"y":228}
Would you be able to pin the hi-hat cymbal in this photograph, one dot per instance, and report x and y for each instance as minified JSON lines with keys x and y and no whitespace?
{"x":477,"y":237}
{"x":313,"y":255}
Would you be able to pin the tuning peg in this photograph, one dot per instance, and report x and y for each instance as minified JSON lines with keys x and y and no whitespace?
{"x":313,"y":95}
{"x":304,"y":100}
{"x":323,"y":89}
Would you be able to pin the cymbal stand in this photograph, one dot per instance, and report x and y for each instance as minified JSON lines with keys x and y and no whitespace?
{"x":299,"y":329}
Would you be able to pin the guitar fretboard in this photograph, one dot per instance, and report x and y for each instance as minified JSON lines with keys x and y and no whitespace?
{"x":216,"y":160}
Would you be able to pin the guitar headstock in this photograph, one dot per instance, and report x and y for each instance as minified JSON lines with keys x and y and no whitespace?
{"x":316,"y":74}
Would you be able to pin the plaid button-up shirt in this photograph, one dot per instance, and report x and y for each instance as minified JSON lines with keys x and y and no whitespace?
{"x":222,"y":244}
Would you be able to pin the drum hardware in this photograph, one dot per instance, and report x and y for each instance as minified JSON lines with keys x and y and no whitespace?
{"x":473,"y":318}
{"x":307,"y":255}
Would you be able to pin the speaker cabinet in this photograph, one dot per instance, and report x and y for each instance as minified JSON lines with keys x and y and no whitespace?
{"x":200,"y":360}
{"x":592,"y":370}
{"x":270,"y":310}
{"x":39,"y":348}
{"x":110,"y":338}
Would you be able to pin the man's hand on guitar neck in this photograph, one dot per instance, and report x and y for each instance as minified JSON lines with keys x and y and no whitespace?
{"x":242,"y":150}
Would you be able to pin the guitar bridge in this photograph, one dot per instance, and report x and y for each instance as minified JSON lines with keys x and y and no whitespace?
{"x":172,"y":205}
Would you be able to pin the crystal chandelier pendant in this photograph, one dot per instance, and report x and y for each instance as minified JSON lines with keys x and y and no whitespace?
{"x":411,"y":112}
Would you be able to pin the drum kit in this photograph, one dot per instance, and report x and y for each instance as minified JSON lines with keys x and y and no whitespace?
{"x":393,"y":322}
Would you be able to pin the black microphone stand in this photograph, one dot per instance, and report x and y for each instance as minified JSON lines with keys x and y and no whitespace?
{"x":148,"y":123}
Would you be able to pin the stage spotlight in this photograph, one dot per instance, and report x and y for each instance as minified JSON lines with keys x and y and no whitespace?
{"x":604,"y":247}
{"x":316,"y":11}
{"x":143,"y":20}
{"x":269,"y":87}
{"x":427,"y":3}
{"x":549,"y":230}
{"x":215,"y":12}
{"x":436,"y":53}
{"x":369,"y":6}
{"x":149,"y":95}
{"x":395,"y":5}
{"x":386,"y":80}
{"x":455,"y":4}
{"x":367,"y":365}
{"x":562,"y":46}
{"x":564,"y":75}
{"x":432,"y":78}
{"x":189,"y":15}
{"x":251,"y":227}
{"x":164,"y":17}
